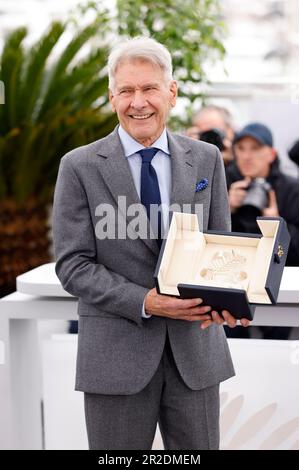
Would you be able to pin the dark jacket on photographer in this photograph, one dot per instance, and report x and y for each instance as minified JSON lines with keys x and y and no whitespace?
{"x":287,"y":195}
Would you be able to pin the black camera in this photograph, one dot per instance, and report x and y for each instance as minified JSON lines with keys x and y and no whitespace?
{"x":213,"y":136}
{"x":257,"y":194}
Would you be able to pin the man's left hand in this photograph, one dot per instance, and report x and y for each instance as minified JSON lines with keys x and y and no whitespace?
{"x":225,"y":317}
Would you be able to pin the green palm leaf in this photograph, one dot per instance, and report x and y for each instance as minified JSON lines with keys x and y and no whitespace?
{"x":10,"y":69}
{"x":74,"y":82}
{"x":64,"y":61}
{"x":51,"y":107}
{"x":35,"y":70}
{"x":96,"y":89}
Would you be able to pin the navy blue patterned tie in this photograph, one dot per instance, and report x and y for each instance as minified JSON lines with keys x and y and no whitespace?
{"x":149,"y":190}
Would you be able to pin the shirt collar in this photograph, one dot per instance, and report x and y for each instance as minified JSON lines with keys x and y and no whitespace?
{"x":131,"y":146}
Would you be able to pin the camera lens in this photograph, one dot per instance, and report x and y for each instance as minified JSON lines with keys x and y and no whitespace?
{"x":257,"y":194}
{"x":213,"y":136}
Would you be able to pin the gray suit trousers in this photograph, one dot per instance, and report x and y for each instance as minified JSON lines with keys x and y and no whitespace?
{"x":188,"y":419}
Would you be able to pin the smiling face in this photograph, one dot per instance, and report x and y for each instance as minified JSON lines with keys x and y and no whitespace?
{"x":253,"y":158}
{"x":142,"y":98}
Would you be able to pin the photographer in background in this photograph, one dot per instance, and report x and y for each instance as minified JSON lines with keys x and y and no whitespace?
{"x":214,"y":124}
{"x":257,"y":187}
{"x":294,"y":153}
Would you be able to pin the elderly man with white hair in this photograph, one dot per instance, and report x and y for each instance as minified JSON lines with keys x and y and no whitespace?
{"x":143,"y":358}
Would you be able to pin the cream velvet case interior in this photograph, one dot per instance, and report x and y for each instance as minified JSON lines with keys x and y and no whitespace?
{"x":232,"y":271}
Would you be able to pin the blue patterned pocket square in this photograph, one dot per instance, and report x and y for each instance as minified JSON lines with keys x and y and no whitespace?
{"x":201,"y":185}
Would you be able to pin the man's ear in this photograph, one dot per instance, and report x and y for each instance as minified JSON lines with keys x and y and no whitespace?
{"x":111,"y":96}
{"x":173,"y":87}
{"x":273,"y":155}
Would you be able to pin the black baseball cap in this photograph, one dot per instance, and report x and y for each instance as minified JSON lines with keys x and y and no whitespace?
{"x":257,"y":131}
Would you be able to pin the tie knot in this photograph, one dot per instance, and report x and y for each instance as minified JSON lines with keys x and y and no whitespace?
{"x":148,"y":154}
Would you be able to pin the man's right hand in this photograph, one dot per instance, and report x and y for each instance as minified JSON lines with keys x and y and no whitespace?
{"x":177,"y":309}
{"x":237,"y":193}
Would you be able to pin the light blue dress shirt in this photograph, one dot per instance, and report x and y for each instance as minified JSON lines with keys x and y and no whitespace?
{"x":162,"y":165}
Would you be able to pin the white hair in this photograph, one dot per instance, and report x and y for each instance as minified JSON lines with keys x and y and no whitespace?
{"x":143,"y":49}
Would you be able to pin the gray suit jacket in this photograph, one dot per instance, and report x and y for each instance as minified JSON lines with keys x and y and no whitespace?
{"x":118,"y":350}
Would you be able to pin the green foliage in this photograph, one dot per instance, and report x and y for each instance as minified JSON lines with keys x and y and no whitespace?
{"x":56,"y":101}
{"x":52,"y":104}
{"x":192,"y":30}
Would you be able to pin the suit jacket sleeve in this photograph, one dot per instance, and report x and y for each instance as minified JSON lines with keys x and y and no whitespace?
{"x":75,"y":253}
{"x":219,"y":217}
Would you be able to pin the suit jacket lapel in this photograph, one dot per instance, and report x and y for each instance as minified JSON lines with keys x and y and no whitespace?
{"x":183,"y":172}
{"x":117,"y":174}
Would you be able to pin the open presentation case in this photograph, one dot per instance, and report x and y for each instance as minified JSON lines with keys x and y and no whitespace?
{"x":229,"y":271}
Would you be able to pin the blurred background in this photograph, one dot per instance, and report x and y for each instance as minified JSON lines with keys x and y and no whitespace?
{"x":238,"y":60}
{"x":240,"y":55}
